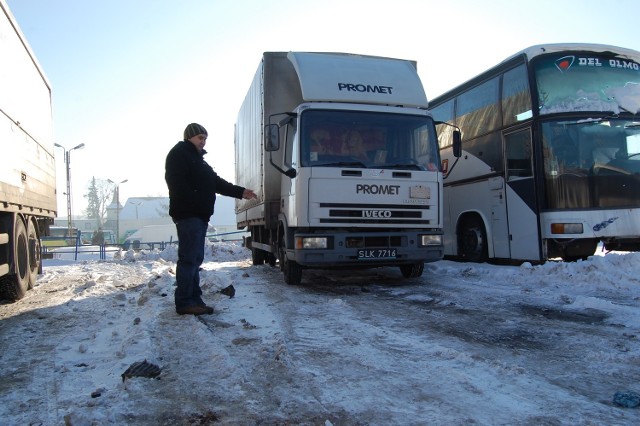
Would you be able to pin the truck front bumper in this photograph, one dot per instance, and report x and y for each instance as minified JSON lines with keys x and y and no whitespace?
{"x":366,"y":249}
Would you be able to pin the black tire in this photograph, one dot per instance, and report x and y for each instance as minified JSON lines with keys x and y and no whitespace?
{"x":413,"y":270}
{"x":34,"y":249}
{"x":282,"y":252}
{"x":271,"y":260}
{"x":15,"y":286}
{"x":473,"y":241}
{"x":292,"y":272}
{"x":579,"y":250}
{"x":257,"y":256}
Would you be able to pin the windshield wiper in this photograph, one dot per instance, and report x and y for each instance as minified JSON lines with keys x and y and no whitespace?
{"x":343,"y":164}
{"x":411,"y":166}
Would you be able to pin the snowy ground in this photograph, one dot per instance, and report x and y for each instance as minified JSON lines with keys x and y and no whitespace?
{"x":464,"y":344}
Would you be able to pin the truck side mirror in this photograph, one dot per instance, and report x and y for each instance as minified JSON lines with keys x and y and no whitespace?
{"x":457,"y":144}
{"x":272,"y":140}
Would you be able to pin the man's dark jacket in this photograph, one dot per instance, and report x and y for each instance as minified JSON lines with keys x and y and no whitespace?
{"x":193,"y":184}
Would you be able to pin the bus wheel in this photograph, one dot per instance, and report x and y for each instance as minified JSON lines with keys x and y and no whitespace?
{"x":413,"y":270}
{"x":473,"y":241}
{"x":579,"y":250}
{"x":34,"y":252}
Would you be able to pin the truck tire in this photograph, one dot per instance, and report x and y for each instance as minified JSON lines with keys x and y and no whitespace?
{"x":413,"y":270}
{"x":292,"y":272}
{"x":15,"y":286}
{"x":34,"y":249}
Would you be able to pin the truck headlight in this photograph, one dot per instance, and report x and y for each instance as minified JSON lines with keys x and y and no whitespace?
{"x":311,"y":243}
{"x":430,"y":240}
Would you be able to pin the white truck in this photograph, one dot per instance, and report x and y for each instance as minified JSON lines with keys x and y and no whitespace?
{"x":343,"y":156}
{"x":27,"y":164}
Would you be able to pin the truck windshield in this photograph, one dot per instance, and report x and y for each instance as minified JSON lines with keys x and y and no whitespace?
{"x":339,"y":138}
{"x":587,"y":82}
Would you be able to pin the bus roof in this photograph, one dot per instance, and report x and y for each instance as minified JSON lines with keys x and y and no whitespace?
{"x":533,"y":51}
{"x":540,"y":49}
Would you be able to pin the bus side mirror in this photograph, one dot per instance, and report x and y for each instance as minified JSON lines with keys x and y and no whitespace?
{"x":272,"y":142}
{"x":457,"y":144}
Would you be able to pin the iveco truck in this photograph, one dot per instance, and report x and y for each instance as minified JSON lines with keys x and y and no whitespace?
{"x":343,"y":155}
{"x":27,"y":168}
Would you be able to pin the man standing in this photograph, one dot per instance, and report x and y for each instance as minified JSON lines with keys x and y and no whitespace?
{"x":193,"y":186}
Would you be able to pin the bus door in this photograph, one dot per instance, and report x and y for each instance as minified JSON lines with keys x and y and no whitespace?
{"x":520,"y":195}
{"x":499,"y":223}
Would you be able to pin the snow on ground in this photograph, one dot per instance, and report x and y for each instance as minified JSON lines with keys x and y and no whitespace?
{"x":464,"y":344}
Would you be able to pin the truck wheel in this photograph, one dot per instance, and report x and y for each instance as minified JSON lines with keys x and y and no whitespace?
{"x":34,"y":252}
{"x":413,"y":270}
{"x":15,"y":286}
{"x":271,"y":259}
{"x":282,"y":251}
{"x":292,"y":272}
{"x":473,"y":241}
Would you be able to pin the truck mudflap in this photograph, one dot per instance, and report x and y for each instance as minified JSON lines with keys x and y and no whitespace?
{"x":368,"y":250}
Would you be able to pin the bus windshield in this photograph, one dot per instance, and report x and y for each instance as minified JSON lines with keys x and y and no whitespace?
{"x":591,"y":163}
{"x":587,"y":82}
{"x":368,"y":140}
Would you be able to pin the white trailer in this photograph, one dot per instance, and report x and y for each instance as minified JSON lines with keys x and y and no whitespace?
{"x":27,"y":167}
{"x":343,"y":156}
{"x":152,"y":235}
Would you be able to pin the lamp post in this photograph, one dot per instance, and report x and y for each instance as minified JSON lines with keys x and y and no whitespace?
{"x":67,"y":162}
{"x":118,"y":207}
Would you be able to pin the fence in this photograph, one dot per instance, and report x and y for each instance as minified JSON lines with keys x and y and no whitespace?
{"x":52,"y":245}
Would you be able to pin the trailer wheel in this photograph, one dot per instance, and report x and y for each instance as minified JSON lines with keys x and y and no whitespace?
{"x":257,"y":256}
{"x":15,"y":285}
{"x":473,"y":240}
{"x":413,"y":270}
{"x":34,"y":252}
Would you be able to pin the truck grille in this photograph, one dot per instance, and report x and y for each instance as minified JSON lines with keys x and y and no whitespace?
{"x":375,"y":214}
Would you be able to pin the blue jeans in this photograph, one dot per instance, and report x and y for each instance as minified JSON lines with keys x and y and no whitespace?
{"x":191,"y":235}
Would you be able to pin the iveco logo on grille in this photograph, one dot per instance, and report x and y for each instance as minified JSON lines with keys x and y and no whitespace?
{"x":376,"y":213}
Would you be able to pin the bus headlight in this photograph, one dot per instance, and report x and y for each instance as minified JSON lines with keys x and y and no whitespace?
{"x":311,"y":243}
{"x":430,"y":240}
{"x":566,"y":228}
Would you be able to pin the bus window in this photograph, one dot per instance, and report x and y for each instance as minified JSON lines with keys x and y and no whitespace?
{"x":444,"y":112}
{"x":478,"y":111}
{"x":516,"y":97}
{"x":518,"y":155}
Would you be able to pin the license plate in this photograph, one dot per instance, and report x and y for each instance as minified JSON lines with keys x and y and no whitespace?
{"x":377,"y":254}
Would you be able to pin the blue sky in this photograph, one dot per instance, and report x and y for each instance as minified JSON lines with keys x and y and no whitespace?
{"x":128,"y":75}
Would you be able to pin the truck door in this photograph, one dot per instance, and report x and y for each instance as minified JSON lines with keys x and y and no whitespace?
{"x":520,"y":194}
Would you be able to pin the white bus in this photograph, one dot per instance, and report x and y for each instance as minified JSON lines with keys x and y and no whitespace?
{"x":550,"y":161}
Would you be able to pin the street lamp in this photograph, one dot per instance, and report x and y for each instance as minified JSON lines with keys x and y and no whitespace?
{"x":118,"y":207}
{"x":67,"y":162}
